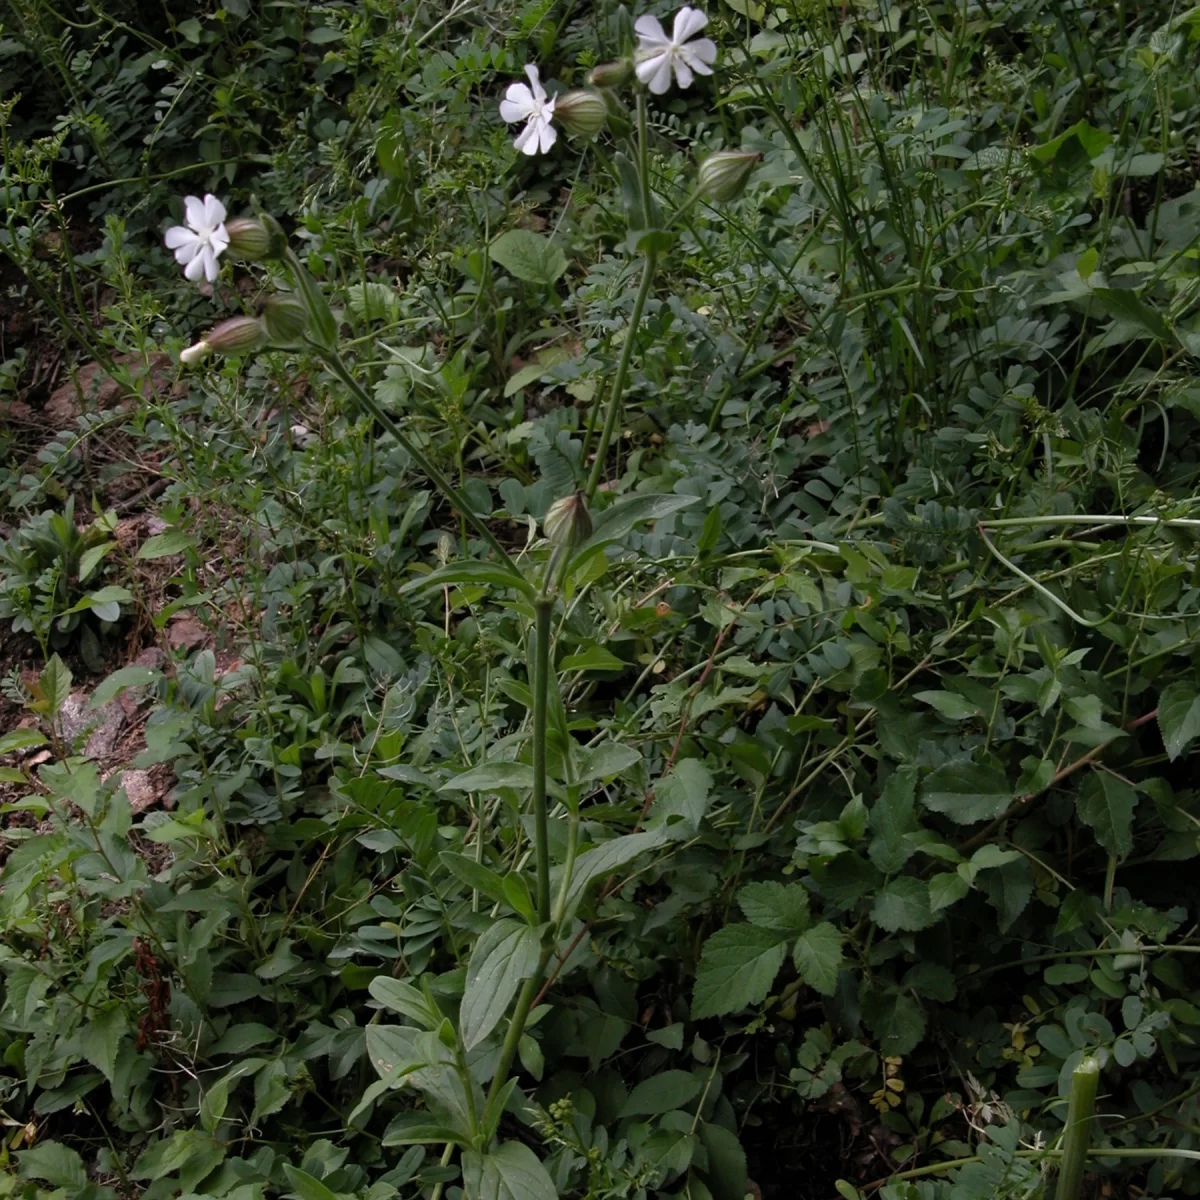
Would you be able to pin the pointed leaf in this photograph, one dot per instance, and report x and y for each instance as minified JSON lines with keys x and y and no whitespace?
{"x":818,"y":957}
{"x":503,"y":958}
{"x":510,"y":1172}
{"x":1106,"y":803}
{"x":737,"y":968}
{"x":1178,"y":717}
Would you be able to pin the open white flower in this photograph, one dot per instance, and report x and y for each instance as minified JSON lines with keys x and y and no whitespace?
{"x":658,"y":55}
{"x":535,"y":108}
{"x":202,"y":241}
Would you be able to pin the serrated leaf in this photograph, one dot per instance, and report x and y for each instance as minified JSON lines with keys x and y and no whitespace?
{"x":727,"y":1172}
{"x":101,"y":1037}
{"x":737,"y":968}
{"x":681,"y":798}
{"x":504,"y":957}
{"x":903,"y":904}
{"x":529,"y":256}
{"x":782,"y":908}
{"x":1178,"y":717}
{"x":891,"y":818}
{"x":895,"y":1019}
{"x":966,"y":792}
{"x":510,"y":1172}
{"x":55,"y":1164}
{"x":946,"y":889}
{"x":818,"y":957}
{"x":1106,"y":803}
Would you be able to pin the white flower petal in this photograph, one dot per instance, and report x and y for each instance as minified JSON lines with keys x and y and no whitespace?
{"x":185,"y":254}
{"x":527,"y":140}
{"x":517,"y":103}
{"x":219,"y":239}
{"x":178,"y":236}
{"x":195,"y":269}
{"x":660,"y":81}
{"x":539,"y":92}
{"x":650,"y":66}
{"x":698,"y":55}
{"x":688,"y":22}
{"x":651,"y":33}
{"x":683,"y":74}
{"x":193,"y":206}
{"x":547,"y":136}
{"x":214,"y":211}
{"x":210,"y":264}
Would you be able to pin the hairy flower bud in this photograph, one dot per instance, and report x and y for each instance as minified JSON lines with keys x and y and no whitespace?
{"x":250,"y":239}
{"x":567,"y":522}
{"x":581,"y":113}
{"x":612,"y":75}
{"x":241,"y":335}
{"x":285,"y":318}
{"x":723,"y":175}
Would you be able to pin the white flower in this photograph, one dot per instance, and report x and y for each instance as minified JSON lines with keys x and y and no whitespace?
{"x":535,"y":108}
{"x":202,"y":241}
{"x":191,"y":354}
{"x":659,"y":55}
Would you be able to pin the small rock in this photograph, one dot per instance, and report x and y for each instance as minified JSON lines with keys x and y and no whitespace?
{"x":93,"y":388}
{"x":155,"y":526}
{"x":186,"y":633}
{"x":140,"y":789}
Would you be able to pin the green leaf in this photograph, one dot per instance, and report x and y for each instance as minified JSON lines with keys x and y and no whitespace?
{"x":1178,"y":717}
{"x":1126,"y":305}
{"x":619,"y":518}
{"x":510,"y":1172}
{"x":491,"y":777}
{"x":475,"y":875}
{"x":56,"y":1164}
{"x":681,"y":798}
{"x":782,"y":908}
{"x":891,"y":818}
{"x":306,"y":1186}
{"x":609,"y":857}
{"x":402,"y":998}
{"x":1009,"y":888}
{"x":606,"y":761}
{"x":21,"y":739}
{"x":950,"y":705}
{"x":966,"y":792}
{"x":895,"y":1019}
{"x":946,"y":889}
{"x":469,"y":570}
{"x":818,"y":957}
{"x":529,"y":256}
{"x":1106,"y":803}
{"x":727,"y":1173}
{"x":55,"y":683}
{"x":594,"y":658}
{"x":163,"y":545}
{"x":419,"y":1128}
{"x":118,"y":681}
{"x":661,"y":1093}
{"x":903,"y":904}
{"x":393,"y":1052}
{"x":503,"y":958}
{"x":100,"y":1038}
{"x":737,"y":968}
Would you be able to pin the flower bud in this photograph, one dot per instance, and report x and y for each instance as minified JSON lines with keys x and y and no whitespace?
{"x":567,"y":522}
{"x":612,"y":75}
{"x":581,"y":113}
{"x":249,"y":239}
{"x":723,"y":175}
{"x":241,"y":335}
{"x":191,"y":354}
{"x":285,"y":318}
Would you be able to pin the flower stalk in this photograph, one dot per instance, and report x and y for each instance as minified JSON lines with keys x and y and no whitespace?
{"x":1077,"y":1137}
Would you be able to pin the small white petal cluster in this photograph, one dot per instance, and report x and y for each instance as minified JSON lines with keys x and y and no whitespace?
{"x":199,"y":243}
{"x":659,"y":56}
{"x":535,"y":108}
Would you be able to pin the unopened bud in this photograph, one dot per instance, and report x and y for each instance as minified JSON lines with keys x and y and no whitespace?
{"x":241,"y":335}
{"x":195,"y":353}
{"x":567,"y":522}
{"x":581,"y":113}
{"x":611,"y":75}
{"x":250,"y":239}
{"x":723,"y":175}
{"x":285,"y":318}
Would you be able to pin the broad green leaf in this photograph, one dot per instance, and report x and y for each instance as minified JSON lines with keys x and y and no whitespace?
{"x":780,"y":907}
{"x":490,"y":777}
{"x":393,"y":1051}
{"x":620,"y":517}
{"x":594,"y":658}
{"x":606,"y":761}
{"x":163,"y":545}
{"x":118,"y":681}
{"x":1106,"y":803}
{"x":55,"y":1164}
{"x":21,"y":739}
{"x":895,"y":1019}
{"x":608,"y":857}
{"x":891,"y":818}
{"x":945,"y":889}
{"x":950,"y":705}
{"x":1178,"y":717}
{"x":1126,"y":305}
{"x":475,"y":875}
{"x":967,"y":792}
{"x":903,"y":904}
{"x":1009,"y":888}
{"x":503,"y":958}
{"x":818,"y":957}
{"x":509,"y":1172}
{"x":529,"y":256}
{"x":681,"y":798}
{"x":661,"y":1093}
{"x":404,"y":999}
{"x":420,"y":1128}
{"x":100,"y":1038}
{"x":727,"y":1173}
{"x":737,"y":968}
{"x":306,"y":1186}
{"x":55,"y":683}
{"x":469,"y":571}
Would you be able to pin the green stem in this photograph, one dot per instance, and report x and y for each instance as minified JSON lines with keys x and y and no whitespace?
{"x":455,"y":498}
{"x":543,"y":608}
{"x":618,"y":387}
{"x":516,"y":1027}
{"x":1077,"y":1136}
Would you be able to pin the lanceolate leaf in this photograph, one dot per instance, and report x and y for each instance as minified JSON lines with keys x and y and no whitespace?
{"x":510,"y":1172}
{"x":505,"y":955}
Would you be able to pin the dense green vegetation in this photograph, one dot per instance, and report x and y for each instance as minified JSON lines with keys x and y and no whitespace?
{"x":790,"y":810}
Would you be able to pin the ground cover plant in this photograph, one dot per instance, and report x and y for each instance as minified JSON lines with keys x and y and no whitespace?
{"x":599,"y":601}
